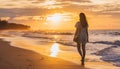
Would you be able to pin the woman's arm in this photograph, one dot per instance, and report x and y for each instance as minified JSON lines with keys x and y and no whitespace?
{"x":75,"y":35}
{"x":76,"y":32}
{"x":87,"y":35}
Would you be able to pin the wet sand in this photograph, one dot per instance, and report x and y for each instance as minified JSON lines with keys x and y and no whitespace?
{"x":17,"y":58}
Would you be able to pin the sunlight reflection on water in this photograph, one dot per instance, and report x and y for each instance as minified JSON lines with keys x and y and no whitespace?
{"x":54,"y":50}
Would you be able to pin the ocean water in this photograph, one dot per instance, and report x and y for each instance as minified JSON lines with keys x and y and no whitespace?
{"x":102,"y":43}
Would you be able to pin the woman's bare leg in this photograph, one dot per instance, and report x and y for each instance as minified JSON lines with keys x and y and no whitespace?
{"x":84,"y":52}
{"x":79,"y":49}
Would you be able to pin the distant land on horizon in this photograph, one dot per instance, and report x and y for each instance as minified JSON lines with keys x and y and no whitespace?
{"x":5,"y":25}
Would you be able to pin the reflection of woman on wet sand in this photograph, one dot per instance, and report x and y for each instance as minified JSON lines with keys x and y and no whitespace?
{"x":81,"y":36}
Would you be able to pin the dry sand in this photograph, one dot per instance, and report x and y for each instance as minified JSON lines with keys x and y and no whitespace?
{"x":17,"y":58}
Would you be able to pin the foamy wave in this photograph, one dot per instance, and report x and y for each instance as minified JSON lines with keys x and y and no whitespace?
{"x":110,"y":54}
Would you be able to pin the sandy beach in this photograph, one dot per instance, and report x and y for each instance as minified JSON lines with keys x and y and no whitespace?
{"x":12,"y":57}
{"x":17,"y":58}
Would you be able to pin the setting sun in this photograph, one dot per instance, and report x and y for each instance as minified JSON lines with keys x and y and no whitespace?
{"x":55,"y":18}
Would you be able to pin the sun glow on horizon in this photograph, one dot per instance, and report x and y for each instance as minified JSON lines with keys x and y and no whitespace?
{"x":55,"y":18}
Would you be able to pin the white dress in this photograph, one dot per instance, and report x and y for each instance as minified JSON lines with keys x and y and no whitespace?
{"x":81,"y":33}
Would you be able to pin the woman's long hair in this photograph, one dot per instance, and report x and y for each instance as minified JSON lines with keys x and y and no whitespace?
{"x":83,"y":20}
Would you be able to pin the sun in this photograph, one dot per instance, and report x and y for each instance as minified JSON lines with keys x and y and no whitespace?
{"x":55,"y":18}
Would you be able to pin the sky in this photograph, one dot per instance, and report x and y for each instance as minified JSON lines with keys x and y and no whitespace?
{"x":61,"y":14}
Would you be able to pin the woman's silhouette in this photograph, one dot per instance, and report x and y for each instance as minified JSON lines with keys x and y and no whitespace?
{"x":81,"y":36}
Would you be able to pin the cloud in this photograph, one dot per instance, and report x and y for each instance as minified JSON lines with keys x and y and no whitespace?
{"x":19,"y":8}
{"x":100,"y":2}
{"x":5,"y":18}
{"x":27,"y":18}
{"x":75,"y":0}
{"x":106,"y":9}
{"x":49,"y":4}
{"x":22,"y":11}
{"x":22,"y":18}
{"x":65,"y":5}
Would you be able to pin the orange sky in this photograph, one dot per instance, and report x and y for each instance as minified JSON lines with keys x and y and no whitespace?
{"x":61,"y":14}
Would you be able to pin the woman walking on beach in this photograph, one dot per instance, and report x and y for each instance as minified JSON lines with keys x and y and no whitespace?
{"x":81,"y":36}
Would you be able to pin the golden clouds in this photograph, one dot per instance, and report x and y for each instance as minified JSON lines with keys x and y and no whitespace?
{"x":38,"y":11}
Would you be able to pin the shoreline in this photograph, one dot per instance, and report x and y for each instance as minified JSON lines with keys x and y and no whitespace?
{"x":19,"y":58}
